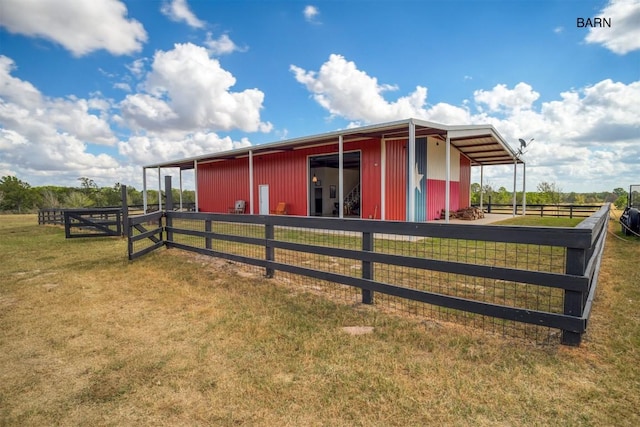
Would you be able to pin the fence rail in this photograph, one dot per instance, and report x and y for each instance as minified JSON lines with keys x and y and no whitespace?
{"x":99,"y":221}
{"x":51,"y":216}
{"x":538,"y":276}
{"x":558,"y":211}
{"x":92,"y":222}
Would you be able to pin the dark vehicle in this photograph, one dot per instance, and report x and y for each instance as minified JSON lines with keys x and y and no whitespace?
{"x":630,"y":221}
{"x":630,"y":218}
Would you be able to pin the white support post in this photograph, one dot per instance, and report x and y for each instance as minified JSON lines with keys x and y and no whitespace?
{"x":251,"y":181}
{"x":426,"y":181}
{"x":159,"y":191}
{"x":195,"y":178}
{"x":180,"y":175}
{"x":144,"y":190}
{"x":411,"y":215}
{"x":524,"y":188}
{"x":447,"y":195}
{"x":340,"y":177}
{"x":515,"y":168}
{"x":383,"y":179}
{"x":481,"y":185}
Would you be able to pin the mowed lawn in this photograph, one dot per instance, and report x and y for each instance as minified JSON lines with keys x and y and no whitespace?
{"x":88,"y":338}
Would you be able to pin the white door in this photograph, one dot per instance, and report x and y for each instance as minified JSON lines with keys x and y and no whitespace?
{"x":263,"y":199}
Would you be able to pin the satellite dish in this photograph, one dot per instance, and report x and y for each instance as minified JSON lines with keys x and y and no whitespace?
{"x":523,"y":143}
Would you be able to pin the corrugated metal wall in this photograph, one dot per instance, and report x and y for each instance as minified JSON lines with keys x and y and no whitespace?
{"x":220,"y":184}
{"x":286,"y":175}
{"x":465,"y":182}
{"x":370,"y":171}
{"x":420,"y":180}
{"x":396,"y":180}
{"x":436,"y":197}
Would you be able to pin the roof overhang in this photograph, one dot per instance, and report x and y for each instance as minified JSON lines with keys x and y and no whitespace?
{"x":482,"y":144}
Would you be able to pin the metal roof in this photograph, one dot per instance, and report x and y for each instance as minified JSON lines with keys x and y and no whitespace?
{"x":482,"y":144}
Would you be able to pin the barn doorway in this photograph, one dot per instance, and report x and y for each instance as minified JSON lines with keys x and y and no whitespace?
{"x":324,"y":189}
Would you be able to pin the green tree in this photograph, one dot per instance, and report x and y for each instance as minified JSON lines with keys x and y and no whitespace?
{"x":49,"y":199}
{"x":475,"y":193}
{"x":76,"y":199}
{"x":17,"y":195}
{"x":621,"y":198}
{"x":619,"y":191}
{"x":551,"y":193}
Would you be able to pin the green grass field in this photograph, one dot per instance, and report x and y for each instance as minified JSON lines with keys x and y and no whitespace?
{"x":88,"y":338}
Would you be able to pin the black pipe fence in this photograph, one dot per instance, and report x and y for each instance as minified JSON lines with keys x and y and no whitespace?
{"x":558,"y":211}
{"x":535,"y":277}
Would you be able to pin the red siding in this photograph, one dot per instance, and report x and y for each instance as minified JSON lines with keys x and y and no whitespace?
{"x":396,"y":181}
{"x":220,"y":184}
{"x":369,"y":177}
{"x":436,"y":197}
{"x":465,"y":182}
{"x":285,"y":174}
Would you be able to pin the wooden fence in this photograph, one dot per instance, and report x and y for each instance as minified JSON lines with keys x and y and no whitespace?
{"x":97,"y":221}
{"x":558,"y":211}
{"x":92,"y":222}
{"x":540,"y":276}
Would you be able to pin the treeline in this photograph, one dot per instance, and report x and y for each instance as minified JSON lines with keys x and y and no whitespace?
{"x":549,"y":194}
{"x":20,"y":197}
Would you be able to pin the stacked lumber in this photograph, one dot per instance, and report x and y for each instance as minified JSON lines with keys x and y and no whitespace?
{"x":468,"y":214}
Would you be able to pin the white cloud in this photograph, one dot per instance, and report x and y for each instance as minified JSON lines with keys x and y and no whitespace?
{"x":178,"y":10}
{"x":589,"y":136}
{"x":25,"y":110}
{"x":624,"y":34}
{"x":223,"y":45}
{"x":311,"y":14}
{"x":203,"y":102}
{"x":345,"y":91}
{"x":137,"y":67}
{"x":81,"y":27}
{"x":40,"y":134}
{"x":122,"y":86}
{"x":156,"y":148}
{"x":500,"y":98}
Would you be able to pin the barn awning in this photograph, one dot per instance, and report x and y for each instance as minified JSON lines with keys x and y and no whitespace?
{"x":482,"y":144}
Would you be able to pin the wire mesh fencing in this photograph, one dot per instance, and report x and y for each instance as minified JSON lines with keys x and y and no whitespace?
{"x":527,"y":282}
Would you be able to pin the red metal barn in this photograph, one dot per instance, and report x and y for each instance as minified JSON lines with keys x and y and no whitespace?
{"x":408,"y":170}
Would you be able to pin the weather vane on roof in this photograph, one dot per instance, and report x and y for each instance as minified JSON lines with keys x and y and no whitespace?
{"x":523,"y":146}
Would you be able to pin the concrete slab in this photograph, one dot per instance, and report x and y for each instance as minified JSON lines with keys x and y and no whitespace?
{"x":489,"y":218}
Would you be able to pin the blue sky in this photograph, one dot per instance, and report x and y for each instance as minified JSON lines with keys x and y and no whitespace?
{"x":99,"y":88}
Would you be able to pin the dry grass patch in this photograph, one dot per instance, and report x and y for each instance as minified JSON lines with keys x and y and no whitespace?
{"x":87,"y":338}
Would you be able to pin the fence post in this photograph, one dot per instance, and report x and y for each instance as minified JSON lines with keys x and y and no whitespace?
{"x":269,"y":253}
{"x":574,"y":300}
{"x":207,"y":228}
{"x":570,"y":211}
{"x":124,"y":209}
{"x":367,"y":266}
{"x":168,"y":206}
{"x":129,"y":231}
{"x":67,"y":225}
{"x":489,"y":205}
